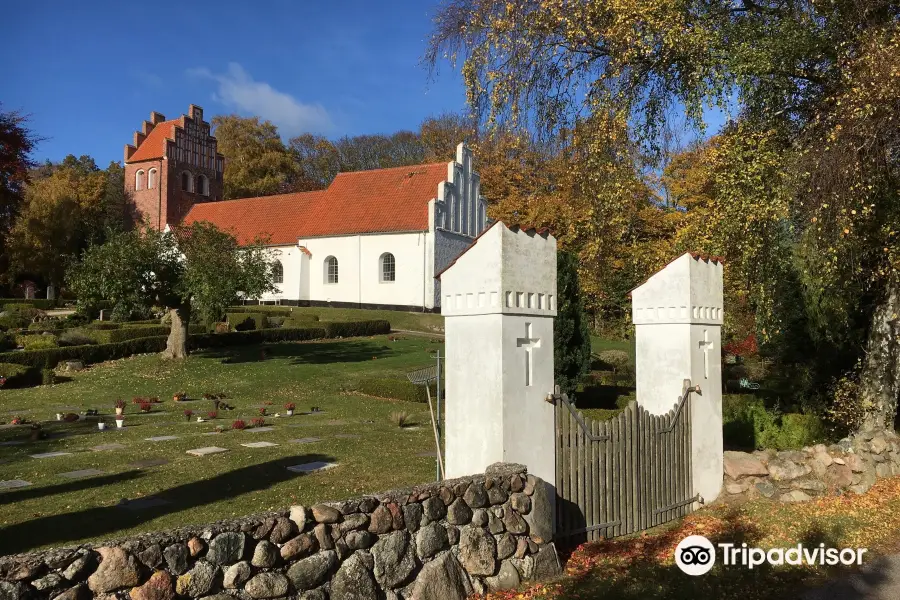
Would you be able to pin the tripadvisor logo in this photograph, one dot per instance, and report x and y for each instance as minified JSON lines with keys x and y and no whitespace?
{"x":696,"y":555}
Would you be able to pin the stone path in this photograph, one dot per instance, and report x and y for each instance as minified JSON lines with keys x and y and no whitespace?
{"x":312,"y":467}
{"x":877,"y":580}
{"x":82,"y":473}
{"x":13,"y":484}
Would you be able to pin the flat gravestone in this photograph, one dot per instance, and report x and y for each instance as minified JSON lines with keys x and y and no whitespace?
{"x":260,"y":429}
{"x":308,"y":440}
{"x":50,"y":454}
{"x":206,"y":451}
{"x":12,"y":443}
{"x":259,"y":445}
{"x":312,"y":467}
{"x":149,"y":462}
{"x":212,"y":433}
{"x":428,"y":454}
{"x":162,"y":438}
{"x":103,"y":447}
{"x":13,"y":484}
{"x":142,"y":503}
{"x":82,"y":473}
{"x":347,"y":436}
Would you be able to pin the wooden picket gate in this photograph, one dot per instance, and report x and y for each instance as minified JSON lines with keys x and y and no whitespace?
{"x":624,"y":475}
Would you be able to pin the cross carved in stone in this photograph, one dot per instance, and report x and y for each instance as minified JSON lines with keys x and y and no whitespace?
{"x":529,"y":343}
{"x":706,"y":346}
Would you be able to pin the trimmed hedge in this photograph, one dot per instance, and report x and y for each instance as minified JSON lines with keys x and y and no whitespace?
{"x":299,"y":320}
{"x":19,"y":375}
{"x":398,"y":389}
{"x":42,"y":304}
{"x":104,"y":325}
{"x":356,"y":328}
{"x":112,"y":336}
{"x":246,"y":321}
{"x":111,"y":351}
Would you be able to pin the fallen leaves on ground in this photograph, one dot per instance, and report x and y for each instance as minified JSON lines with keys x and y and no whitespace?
{"x":643,"y":566}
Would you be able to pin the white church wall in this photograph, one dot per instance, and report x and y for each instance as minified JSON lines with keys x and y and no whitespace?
{"x":359,"y":269}
{"x":291,"y":263}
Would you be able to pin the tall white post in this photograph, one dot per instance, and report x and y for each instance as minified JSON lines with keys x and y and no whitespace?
{"x":678,"y":316}
{"x":499,"y":301}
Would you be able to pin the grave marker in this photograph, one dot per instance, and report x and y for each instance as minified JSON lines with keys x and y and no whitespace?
{"x":162,"y":438}
{"x":308,"y":440}
{"x":312,"y":467}
{"x":82,"y":473}
{"x":259,"y":445}
{"x":14,"y":484}
{"x":51,"y":454}
{"x":206,"y":451}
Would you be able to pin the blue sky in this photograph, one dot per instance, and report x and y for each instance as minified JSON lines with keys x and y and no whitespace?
{"x":90,"y":72}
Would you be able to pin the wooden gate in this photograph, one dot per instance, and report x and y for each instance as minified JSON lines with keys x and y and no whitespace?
{"x":624,"y":475}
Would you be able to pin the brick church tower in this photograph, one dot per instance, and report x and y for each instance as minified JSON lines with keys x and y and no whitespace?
{"x":171,"y":166}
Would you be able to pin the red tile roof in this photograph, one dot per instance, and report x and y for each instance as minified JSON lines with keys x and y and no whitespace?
{"x":277,"y":217}
{"x":154,"y":146}
{"x":384,"y":200}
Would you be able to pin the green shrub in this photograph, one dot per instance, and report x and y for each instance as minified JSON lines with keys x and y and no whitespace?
{"x":104,"y":325}
{"x":747,"y":423}
{"x":300,"y":320}
{"x":37,"y":342}
{"x":75,"y":337}
{"x":356,"y":328}
{"x":90,"y":354}
{"x":14,"y":321}
{"x":42,"y":304}
{"x":112,"y":336}
{"x":142,"y":322}
{"x":7,"y":342}
{"x":276,"y":321}
{"x":604,"y":414}
{"x":398,"y":389}
{"x":19,"y":375}
{"x":246,"y":321}
{"x":48,"y":377}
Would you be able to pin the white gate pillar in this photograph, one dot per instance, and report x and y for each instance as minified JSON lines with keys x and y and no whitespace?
{"x":499,"y":300}
{"x":677,"y":315}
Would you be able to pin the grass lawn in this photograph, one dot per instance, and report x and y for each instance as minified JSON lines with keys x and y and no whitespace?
{"x":643,"y":566}
{"x":412,"y":321}
{"x":57,"y":510}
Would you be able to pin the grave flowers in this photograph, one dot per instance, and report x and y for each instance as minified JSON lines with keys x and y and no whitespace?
{"x":145,"y":407}
{"x":179,"y":397}
{"x":120,"y":421}
{"x":262,"y":411}
{"x":120,"y":407}
{"x":239,"y":424}
{"x":187,"y":414}
{"x":258,"y":422}
{"x":17,"y":421}
{"x":101,"y":425}
{"x":289,"y":407}
{"x":212,"y":414}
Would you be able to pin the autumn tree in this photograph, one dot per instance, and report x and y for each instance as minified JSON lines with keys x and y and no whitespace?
{"x":815,"y":85}
{"x":16,"y":145}
{"x":197,"y":270}
{"x":258,"y":162}
{"x":57,"y":219}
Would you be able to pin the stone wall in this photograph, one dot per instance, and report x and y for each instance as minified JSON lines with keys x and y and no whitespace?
{"x":439,"y":541}
{"x":851,"y":465}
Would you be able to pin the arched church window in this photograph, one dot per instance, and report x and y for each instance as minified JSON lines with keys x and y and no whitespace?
{"x":186,"y":182}
{"x":139,"y":180}
{"x":331,"y":270}
{"x":202,"y":185}
{"x":388,"y":267}
{"x":151,"y":179}
{"x":278,"y":272}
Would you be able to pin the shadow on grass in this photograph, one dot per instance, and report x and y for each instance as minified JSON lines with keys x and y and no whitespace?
{"x":22,"y":494}
{"x":601,"y":396}
{"x":632,"y":570}
{"x":94,"y":523}
{"x":302,"y":353}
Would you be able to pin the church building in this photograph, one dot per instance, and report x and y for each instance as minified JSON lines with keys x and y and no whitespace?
{"x":372,"y":239}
